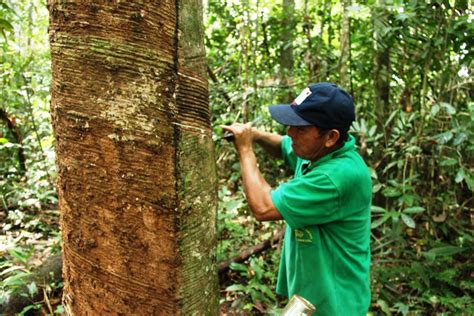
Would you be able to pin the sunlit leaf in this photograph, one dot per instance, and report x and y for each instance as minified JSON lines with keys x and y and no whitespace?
{"x":408,"y":220}
{"x":384,"y":307}
{"x":377,"y":209}
{"x":448,"y":162}
{"x":235,"y":288}
{"x":443,"y":138}
{"x":448,"y":107}
{"x":13,"y":268}
{"x":435,"y":109}
{"x":59,"y":310}
{"x":17,"y":279}
{"x":238,"y":266}
{"x":377,"y":188}
{"x":379,"y":221}
{"x":470,"y":181}
{"x":460,"y":138}
{"x":460,"y":175}
{"x":32,"y":289}
{"x":19,"y":254}
{"x":414,"y":210}
{"x":391,"y":192}
{"x":446,"y":250}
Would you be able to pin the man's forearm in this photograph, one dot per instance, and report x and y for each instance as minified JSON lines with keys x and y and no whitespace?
{"x":256,"y":188}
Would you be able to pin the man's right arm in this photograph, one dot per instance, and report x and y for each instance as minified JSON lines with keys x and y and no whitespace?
{"x":270,"y":142}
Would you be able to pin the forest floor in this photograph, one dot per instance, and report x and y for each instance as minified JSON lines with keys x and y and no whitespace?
{"x":29,"y":238}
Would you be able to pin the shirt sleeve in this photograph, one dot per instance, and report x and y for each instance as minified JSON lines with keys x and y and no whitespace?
{"x":307,"y":201}
{"x":287,"y":151}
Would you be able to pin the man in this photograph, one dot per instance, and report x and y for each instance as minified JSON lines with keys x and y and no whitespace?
{"x":326,"y":205}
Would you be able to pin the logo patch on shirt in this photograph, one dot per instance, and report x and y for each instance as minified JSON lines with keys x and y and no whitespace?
{"x":303,"y":95}
{"x":303,"y":235}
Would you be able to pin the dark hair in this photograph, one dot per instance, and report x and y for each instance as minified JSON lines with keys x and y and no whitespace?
{"x":343,"y":136}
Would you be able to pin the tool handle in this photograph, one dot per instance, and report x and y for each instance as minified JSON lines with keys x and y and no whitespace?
{"x":229,"y":136}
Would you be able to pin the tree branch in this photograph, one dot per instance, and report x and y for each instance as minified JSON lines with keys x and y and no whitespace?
{"x":224,"y":265}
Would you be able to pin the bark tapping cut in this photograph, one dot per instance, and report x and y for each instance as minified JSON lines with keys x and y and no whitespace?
{"x":196,"y":163}
{"x":135,"y":158}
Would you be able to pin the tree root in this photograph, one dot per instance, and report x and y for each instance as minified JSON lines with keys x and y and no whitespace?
{"x":49,"y":271}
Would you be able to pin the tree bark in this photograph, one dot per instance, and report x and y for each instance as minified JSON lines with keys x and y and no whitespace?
{"x":15,"y":131}
{"x":381,"y":63}
{"x":136,"y":173}
{"x":286,"y":51}
{"x":344,"y":59}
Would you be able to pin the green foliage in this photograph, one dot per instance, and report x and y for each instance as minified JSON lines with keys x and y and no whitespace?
{"x":26,"y":142}
{"x":420,"y":153}
{"x":419,"y":150}
{"x":256,"y":289}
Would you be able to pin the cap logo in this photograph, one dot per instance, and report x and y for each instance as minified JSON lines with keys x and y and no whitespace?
{"x":303,"y":95}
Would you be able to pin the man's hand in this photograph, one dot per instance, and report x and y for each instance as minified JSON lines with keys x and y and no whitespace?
{"x":256,"y":189}
{"x":243,"y":135}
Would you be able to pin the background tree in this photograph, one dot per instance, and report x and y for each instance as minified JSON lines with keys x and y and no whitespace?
{"x":286,"y":51}
{"x":344,"y":69}
{"x":134,"y":157}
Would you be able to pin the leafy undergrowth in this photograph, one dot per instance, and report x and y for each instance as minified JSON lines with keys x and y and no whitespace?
{"x":404,"y":282}
{"x":28,"y":237}
{"x":247,"y":287}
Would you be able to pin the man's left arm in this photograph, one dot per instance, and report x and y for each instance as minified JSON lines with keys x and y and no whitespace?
{"x":256,"y":188}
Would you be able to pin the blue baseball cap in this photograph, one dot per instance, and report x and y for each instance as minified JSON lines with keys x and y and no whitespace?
{"x":324,"y":105}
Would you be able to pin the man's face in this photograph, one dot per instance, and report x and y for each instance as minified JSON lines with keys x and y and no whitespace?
{"x":307,"y":142}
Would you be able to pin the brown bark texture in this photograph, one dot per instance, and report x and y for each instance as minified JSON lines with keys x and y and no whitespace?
{"x":136,"y":173}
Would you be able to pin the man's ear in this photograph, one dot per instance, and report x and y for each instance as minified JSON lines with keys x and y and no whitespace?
{"x":331,"y":138}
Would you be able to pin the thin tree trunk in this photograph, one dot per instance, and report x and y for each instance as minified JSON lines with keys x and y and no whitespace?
{"x":312,"y":55}
{"x":345,"y":47}
{"x":246,"y":41}
{"x":136,"y":173}
{"x":286,"y":51}
{"x":15,"y":131}
{"x":381,"y":78}
{"x":330,"y":36}
{"x":381,"y":65}
{"x":29,"y":107}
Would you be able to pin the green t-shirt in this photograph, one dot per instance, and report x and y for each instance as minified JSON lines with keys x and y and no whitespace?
{"x":326,"y":253}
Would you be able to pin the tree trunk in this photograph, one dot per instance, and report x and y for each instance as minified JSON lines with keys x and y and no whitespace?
{"x":381,"y":63}
{"x":15,"y":132}
{"x":286,"y":51}
{"x":344,"y":60}
{"x":136,"y":173}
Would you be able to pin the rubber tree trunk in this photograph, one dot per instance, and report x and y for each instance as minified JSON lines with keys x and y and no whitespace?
{"x":136,"y":173}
